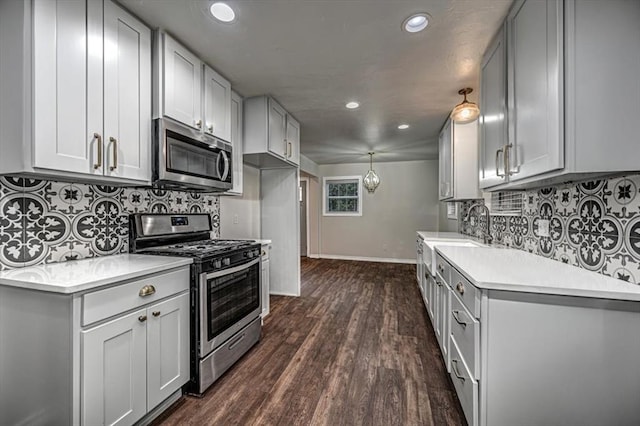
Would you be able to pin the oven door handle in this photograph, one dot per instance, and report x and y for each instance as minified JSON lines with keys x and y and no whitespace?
{"x":232,"y":270}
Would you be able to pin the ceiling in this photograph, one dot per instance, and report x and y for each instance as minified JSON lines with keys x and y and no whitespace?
{"x":314,"y":56}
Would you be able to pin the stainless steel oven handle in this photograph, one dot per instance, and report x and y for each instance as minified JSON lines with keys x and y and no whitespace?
{"x":232,"y":270}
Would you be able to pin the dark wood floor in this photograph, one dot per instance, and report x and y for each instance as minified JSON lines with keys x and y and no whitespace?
{"x":356,"y":348}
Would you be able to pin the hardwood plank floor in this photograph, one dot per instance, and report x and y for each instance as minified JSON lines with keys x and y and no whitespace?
{"x":356,"y":348}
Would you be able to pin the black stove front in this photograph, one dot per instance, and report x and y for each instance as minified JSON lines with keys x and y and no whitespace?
{"x":225,"y":288}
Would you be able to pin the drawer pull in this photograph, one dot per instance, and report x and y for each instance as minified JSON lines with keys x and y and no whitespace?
{"x":460,"y":287}
{"x":156,"y":313}
{"x":454,"y":367}
{"x":264,"y":253}
{"x":142,"y":318}
{"x":457,"y":318}
{"x":147,"y":290}
{"x":438,"y":283}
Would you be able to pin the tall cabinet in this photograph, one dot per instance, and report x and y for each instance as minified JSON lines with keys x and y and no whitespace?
{"x":89,"y":76}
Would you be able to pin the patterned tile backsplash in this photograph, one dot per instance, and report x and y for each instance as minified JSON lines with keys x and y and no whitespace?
{"x":47,"y":221}
{"x":594,"y":225}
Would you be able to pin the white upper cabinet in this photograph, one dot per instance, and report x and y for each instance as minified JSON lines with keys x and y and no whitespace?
{"x":535,"y":78}
{"x":182,"y":84}
{"x":571,"y":112}
{"x":271,"y":134}
{"x":293,"y":140}
{"x":493,"y":113}
{"x":217,"y":105}
{"x":458,"y":161}
{"x":237,"y":140}
{"x":194,"y":94}
{"x":90,"y":111}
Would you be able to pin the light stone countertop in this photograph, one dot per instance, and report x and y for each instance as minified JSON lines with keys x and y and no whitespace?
{"x":516,"y":270}
{"x":435,"y":235}
{"x":86,"y":274}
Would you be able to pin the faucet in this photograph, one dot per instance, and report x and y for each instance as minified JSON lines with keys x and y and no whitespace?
{"x":485,"y":233}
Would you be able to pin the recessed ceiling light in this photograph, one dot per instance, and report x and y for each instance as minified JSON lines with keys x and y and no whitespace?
{"x":416,"y":22}
{"x":352,"y":105}
{"x":403,"y":126}
{"x":222,"y":12}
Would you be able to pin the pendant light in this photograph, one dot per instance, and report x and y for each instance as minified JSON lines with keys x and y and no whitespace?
{"x":371,"y":179}
{"x":465,"y":111}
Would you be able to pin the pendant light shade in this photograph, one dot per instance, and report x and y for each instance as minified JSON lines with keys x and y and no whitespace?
{"x":465,"y":111}
{"x":371,"y":179}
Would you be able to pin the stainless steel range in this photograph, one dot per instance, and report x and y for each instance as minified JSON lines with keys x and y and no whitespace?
{"x":225,"y":288}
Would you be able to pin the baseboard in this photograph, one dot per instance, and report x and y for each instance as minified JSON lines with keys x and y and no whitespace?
{"x":313,"y":256}
{"x":366,"y":259}
{"x":278,"y":293}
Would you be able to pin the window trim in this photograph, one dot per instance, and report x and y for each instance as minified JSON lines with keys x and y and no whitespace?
{"x":329,"y":179}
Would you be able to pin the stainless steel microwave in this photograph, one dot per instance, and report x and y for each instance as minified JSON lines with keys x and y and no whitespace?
{"x":187,"y":159}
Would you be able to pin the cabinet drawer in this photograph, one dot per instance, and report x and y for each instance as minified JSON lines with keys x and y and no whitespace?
{"x":443,"y":268}
{"x":111,"y":301}
{"x":466,"y":386}
{"x":466,"y":330}
{"x":466,"y":291}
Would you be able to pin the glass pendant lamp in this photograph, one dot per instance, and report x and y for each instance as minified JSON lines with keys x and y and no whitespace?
{"x":371,"y":179}
{"x":465,"y":111}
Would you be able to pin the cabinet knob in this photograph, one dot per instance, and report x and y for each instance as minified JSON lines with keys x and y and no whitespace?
{"x":156,"y":313}
{"x":264,"y":252}
{"x":142,"y":318}
{"x":210,"y":128}
{"x":147,"y":290}
{"x":198,"y":124}
{"x":460,"y":288}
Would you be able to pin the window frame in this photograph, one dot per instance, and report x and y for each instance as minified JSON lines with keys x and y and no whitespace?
{"x":328,"y":179}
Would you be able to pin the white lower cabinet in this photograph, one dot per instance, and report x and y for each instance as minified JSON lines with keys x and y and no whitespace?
{"x":266,"y":248}
{"x":134,"y":362}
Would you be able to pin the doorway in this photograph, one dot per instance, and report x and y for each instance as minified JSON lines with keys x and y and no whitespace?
{"x":303,"y":217}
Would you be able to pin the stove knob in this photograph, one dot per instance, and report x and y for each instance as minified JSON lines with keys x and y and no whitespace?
{"x":246,"y":254}
{"x":217,"y":264}
{"x":256,"y":253}
{"x":226,"y":261}
{"x":249,"y":254}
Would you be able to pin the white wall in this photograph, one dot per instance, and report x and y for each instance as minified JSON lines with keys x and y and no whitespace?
{"x":246,"y":208}
{"x":406,"y":201}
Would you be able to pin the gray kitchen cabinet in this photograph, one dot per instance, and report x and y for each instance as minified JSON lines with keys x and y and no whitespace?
{"x":88,"y":112}
{"x":493,"y":113}
{"x":266,"y":251}
{"x":521,"y":357}
{"x":272,"y":135}
{"x":458,"y":161}
{"x":237,"y":141}
{"x":569,"y":63}
{"x":114,"y":349}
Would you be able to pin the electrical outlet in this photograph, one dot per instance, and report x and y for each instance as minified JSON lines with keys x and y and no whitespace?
{"x":543,"y":227}
{"x":235,"y":219}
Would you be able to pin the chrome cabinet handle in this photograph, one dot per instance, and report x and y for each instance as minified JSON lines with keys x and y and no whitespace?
{"x":454,"y":367}
{"x":460,"y":288}
{"x":289,"y":149}
{"x":147,"y":290}
{"x":114,"y":141}
{"x":285,"y":148}
{"x":198,"y":124}
{"x":501,"y":150}
{"x":455,"y":316}
{"x":156,"y":313}
{"x":507,"y":162}
{"x":97,"y":137}
{"x":142,"y":318}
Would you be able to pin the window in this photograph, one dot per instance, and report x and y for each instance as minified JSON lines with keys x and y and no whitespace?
{"x":342,"y":196}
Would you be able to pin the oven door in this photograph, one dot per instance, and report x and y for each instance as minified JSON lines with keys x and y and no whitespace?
{"x":229,"y":300}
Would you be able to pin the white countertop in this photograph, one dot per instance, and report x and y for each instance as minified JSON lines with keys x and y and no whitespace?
{"x":443,"y":235}
{"x":263,"y":242}
{"x":86,"y":274}
{"x":516,"y":270}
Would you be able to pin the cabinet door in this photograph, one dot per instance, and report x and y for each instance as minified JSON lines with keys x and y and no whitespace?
{"x":445,"y":156}
{"x":182,"y":84}
{"x":535,"y":77}
{"x":237,"y":140}
{"x":167,"y":348}
{"x":127,"y":94}
{"x":217,"y":105}
{"x":265,"y":287}
{"x":114,"y":368}
{"x":293,"y":140}
{"x":277,"y":129}
{"x":67,"y":64}
{"x":493,"y":113}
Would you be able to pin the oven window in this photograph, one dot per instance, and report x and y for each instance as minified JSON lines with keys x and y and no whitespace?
{"x":232,"y":297}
